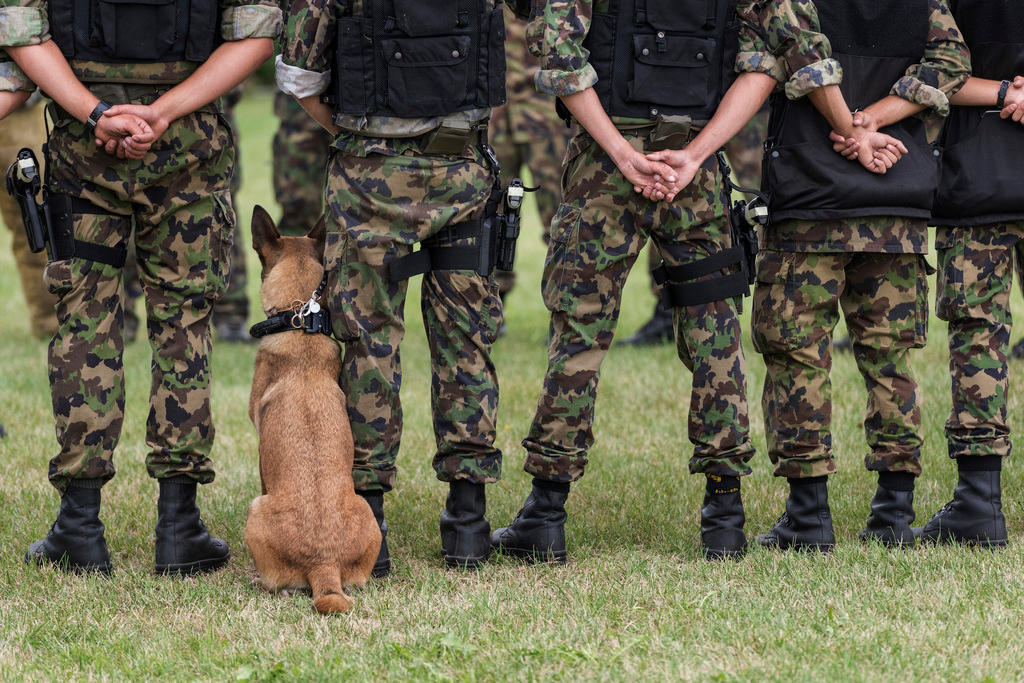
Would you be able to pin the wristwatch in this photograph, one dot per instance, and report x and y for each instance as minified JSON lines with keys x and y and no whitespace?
{"x":1001,"y":99}
{"x":94,"y":117}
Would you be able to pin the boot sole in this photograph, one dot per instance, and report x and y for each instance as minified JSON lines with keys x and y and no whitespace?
{"x":533,"y":555}
{"x":464,"y":562}
{"x":823,"y":548}
{"x":64,"y":565}
{"x":985,"y":543}
{"x":720,"y":554}
{"x":192,"y":568}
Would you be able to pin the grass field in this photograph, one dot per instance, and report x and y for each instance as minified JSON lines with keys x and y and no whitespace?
{"x":635,"y":600}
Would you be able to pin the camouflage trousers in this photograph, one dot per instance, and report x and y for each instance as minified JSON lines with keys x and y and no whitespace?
{"x":383,"y":197}
{"x":974,"y":284}
{"x":884,"y":298}
{"x":25,"y":128}
{"x":596,"y":236}
{"x":541,"y":156}
{"x":179,"y":200}
{"x":300,"y":162}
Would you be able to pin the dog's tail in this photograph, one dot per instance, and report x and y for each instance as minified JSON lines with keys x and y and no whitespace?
{"x":328,"y":597}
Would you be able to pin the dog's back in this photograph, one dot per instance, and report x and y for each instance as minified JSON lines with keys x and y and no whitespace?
{"x":309,"y":528}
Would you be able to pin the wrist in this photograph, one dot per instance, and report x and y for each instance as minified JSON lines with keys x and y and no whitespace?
{"x":93,"y":119}
{"x":620,"y":149}
{"x":1004,"y":87}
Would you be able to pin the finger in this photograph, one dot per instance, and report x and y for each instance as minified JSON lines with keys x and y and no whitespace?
{"x":858,"y":119}
{"x":1018,"y":82}
{"x":1018,"y":114}
{"x":660,"y":155}
{"x":1007,"y":111}
{"x":836,"y":137}
{"x":110,"y":147}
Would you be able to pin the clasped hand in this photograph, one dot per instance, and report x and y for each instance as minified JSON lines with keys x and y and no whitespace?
{"x":128,"y":131}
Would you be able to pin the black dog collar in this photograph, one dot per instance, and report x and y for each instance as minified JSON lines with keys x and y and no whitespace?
{"x":310,"y":318}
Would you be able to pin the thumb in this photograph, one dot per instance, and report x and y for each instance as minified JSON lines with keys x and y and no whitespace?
{"x":1018,"y":82}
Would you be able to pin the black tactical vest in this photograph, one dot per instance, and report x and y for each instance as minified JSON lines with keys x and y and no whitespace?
{"x":981,"y":167}
{"x":135,"y":31}
{"x":875,"y":41}
{"x":664,"y":57}
{"x":419,"y":58}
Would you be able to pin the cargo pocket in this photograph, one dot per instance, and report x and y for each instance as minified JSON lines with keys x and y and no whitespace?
{"x":334,"y":256}
{"x":136,"y":29}
{"x":924,"y":269}
{"x":57,"y":277}
{"x":427,"y":76}
{"x":775,"y":327}
{"x":560,"y":268}
{"x":222,"y":237}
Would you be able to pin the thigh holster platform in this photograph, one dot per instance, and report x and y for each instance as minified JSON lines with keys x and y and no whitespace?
{"x":436,"y":253}
{"x":61,"y":209}
{"x":684,"y":285}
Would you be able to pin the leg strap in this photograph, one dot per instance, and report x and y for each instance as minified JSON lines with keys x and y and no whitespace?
{"x":683,"y":289}
{"x":434,"y":255}
{"x":62,"y":208}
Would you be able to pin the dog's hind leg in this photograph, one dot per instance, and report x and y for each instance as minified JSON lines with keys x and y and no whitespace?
{"x":328,"y":596}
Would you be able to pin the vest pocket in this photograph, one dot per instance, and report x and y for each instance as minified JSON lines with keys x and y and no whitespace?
{"x":427,"y":76}
{"x":137,"y":29}
{"x":673,"y":71}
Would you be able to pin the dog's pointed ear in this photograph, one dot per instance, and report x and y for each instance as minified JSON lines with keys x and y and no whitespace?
{"x":319,"y":234}
{"x":264,"y":232}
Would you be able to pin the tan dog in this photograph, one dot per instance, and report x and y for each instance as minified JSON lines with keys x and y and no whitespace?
{"x":309,"y":529}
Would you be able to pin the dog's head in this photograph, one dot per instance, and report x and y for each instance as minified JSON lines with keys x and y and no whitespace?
{"x":292,"y":266}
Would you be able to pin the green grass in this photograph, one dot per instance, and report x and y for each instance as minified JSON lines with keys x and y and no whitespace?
{"x":634,"y":601}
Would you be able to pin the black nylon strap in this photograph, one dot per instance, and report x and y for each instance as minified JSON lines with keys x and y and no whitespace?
{"x":707,"y":291}
{"x":433,"y":258}
{"x":311,"y":323}
{"x":100,"y":253}
{"x":691,"y":271}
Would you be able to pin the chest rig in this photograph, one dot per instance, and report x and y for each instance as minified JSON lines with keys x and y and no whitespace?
{"x":875,"y":41}
{"x":418,"y":58}
{"x":981,"y":165}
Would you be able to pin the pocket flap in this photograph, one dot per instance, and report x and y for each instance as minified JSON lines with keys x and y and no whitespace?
{"x":673,"y":51}
{"x":422,"y":52}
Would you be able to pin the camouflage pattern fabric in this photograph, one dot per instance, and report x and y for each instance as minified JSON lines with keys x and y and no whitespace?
{"x":527,"y":133}
{"x":797,"y":300}
{"x":180,"y":200}
{"x":25,"y":128}
{"x":597,"y":234}
{"x":384,"y":196}
{"x":233,"y":307}
{"x":300,"y":162}
{"x":973,"y":295}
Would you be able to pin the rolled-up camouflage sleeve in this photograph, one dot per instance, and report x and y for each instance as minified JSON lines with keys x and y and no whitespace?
{"x":304,"y":65}
{"x":943,"y":70}
{"x":23,"y":22}
{"x":241,"y":19}
{"x":11,"y":77}
{"x":555,"y":35}
{"x":753,"y":55}
{"x":792,"y":33}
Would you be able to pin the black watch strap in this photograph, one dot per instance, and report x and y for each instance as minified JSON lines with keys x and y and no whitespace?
{"x":1004,"y":87}
{"x":94,"y":117}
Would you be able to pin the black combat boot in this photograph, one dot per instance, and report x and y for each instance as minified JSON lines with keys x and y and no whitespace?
{"x":230,"y":330}
{"x":975,"y":515}
{"x":75,"y":541}
{"x":465,"y":532}
{"x":538,"y":531}
{"x":183,"y":545}
{"x":3,"y":432}
{"x":658,"y":330}
{"x":843,"y":344}
{"x":722,"y":518}
{"x":892,"y":511}
{"x":382,"y":567}
{"x":807,"y":522}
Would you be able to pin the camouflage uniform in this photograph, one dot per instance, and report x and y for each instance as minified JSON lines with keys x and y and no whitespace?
{"x":974,"y":284}
{"x":301,"y":148}
{"x":597,"y":233}
{"x":383,"y":196}
{"x":872,"y":268}
{"x":25,"y":128}
{"x":526,"y":131}
{"x":182,"y":241}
